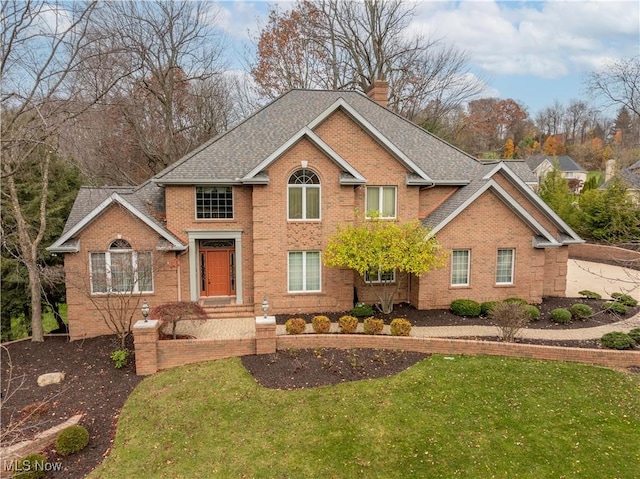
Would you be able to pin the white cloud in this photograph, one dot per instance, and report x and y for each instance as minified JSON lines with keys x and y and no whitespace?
{"x":547,"y":40}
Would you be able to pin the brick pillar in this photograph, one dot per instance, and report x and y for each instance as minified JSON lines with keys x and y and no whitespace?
{"x":145,"y":339}
{"x":265,"y":334}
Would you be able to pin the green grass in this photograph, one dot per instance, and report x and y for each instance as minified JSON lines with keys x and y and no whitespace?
{"x":19,"y":330}
{"x":472,"y":417}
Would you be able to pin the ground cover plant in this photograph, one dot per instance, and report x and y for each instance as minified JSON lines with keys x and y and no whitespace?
{"x":465,"y":416}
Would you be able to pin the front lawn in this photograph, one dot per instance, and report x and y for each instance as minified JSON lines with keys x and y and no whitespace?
{"x":471,"y":417}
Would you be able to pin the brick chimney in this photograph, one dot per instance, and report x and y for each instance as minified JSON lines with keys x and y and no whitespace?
{"x":379,"y":92}
{"x":610,"y":170}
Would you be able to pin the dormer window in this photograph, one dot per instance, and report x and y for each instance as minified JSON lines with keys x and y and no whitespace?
{"x":303,"y":195}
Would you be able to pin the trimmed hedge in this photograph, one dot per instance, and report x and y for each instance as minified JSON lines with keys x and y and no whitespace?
{"x":625,"y":299}
{"x":581,"y":311}
{"x":589,"y":294}
{"x":30,"y":467}
{"x":373,"y":326}
{"x":614,"y":307}
{"x":487,"y":306}
{"x":635,"y":335}
{"x":321,"y":324}
{"x":533,"y":312}
{"x":72,"y":439}
{"x":295,"y":325}
{"x":561,"y":315}
{"x":348,"y":324}
{"x":617,"y":340}
{"x":465,"y":307}
{"x":400,"y":327}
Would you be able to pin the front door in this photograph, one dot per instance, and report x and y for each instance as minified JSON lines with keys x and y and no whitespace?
{"x":217,"y":271}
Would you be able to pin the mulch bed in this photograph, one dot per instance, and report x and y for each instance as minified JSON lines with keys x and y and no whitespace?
{"x":95,"y":388}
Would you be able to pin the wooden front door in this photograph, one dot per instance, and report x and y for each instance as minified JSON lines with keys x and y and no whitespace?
{"x":217,"y":272}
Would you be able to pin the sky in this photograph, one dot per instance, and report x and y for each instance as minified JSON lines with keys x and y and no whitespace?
{"x":532,"y":52}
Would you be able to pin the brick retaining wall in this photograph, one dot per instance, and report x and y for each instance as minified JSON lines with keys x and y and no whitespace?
{"x":603,"y":254}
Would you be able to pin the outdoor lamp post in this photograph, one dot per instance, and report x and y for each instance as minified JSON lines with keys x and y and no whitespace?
{"x":265,"y":307}
{"x":145,"y":310}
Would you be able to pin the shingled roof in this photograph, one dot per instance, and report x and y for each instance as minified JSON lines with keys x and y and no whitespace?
{"x":565,"y":163}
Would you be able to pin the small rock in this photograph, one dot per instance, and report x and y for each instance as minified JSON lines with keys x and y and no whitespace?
{"x":50,"y":378}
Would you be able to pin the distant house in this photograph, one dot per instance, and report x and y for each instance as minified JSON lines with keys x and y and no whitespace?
{"x":630,"y":176}
{"x":571,"y":171}
{"x":247,"y":216}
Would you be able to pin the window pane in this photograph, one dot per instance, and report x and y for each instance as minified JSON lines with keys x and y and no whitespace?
{"x":145,"y":271}
{"x":295,"y":271}
{"x":389,"y":202}
{"x":313,"y":271}
{"x":214,"y":202}
{"x":121,"y":272}
{"x":373,"y":199}
{"x":504,"y":270}
{"x":295,"y":203}
{"x":460,"y":267}
{"x":98,"y":273}
{"x":313,"y":203}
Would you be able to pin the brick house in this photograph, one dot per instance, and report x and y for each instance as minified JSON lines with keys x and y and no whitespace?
{"x":248,"y":214}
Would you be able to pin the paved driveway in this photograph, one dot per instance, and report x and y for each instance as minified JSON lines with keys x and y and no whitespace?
{"x":601,"y":278}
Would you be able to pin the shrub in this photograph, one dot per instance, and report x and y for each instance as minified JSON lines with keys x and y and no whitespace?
{"x":532,"y":311}
{"x":516,"y":300}
{"x":510,"y":317}
{"x":72,"y":439}
{"x":348,"y":324}
{"x":400,"y":327}
{"x":635,"y":335}
{"x":373,"y":326}
{"x":487,"y":306}
{"x":465,"y":307}
{"x":617,"y":340}
{"x":321,"y":324}
{"x":31,"y":467}
{"x":120,"y":358}
{"x":581,"y":311}
{"x":561,"y":315}
{"x":295,"y":325}
{"x":362,"y":311}
{"x":614,"y":307}
{"x":589,"y":294}
{"x":625,"y":299}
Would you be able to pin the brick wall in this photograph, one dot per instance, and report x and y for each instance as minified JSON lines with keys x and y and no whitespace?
{"x":85,"y":319}
{"x":604,"y":254}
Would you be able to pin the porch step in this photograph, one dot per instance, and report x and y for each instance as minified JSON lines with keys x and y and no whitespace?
{"x":228,"y":311}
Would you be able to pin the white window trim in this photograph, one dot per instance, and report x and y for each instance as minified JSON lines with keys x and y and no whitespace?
{"x":468,"y":250}
{"x":368,"y":280}
{"x":304,"y":273}
{"x":304,"y":203}
{"x":107,"y":263}
{"x":381,"y":201}
{"x":233,"y":203}
{"x":513,"y":262}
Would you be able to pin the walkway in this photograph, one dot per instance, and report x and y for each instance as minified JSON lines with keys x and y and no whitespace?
{"x":601,"y":278}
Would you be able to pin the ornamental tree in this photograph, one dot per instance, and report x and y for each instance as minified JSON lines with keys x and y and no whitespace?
{"x":378,"y":247}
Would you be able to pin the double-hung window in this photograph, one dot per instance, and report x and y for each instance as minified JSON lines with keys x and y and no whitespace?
{"x":504,"y":266}
{"x":120,"y":269}
{"x":304,"y":270}
{"x":460,"y":261}
{"x":381,"y":201}
{"x":380,"y":277}
{"x":214,"y":202}
{"x":303,"y":193}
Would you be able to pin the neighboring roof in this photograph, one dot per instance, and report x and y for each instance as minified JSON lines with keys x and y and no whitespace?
{"x":565,"y":163}
{"x":631,"y":174}
{"x":237,"y":153}
{"x":465,"y":196}
{"x":143,"y":202}
{"x":519,"y":167}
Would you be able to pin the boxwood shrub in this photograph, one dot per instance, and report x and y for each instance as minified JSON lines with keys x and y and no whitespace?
{"x":295,"y":325}
{"x":581,"y":311}
{"x":614,"y":307}
{"x":465,"y":307}
{"x":400,"y":327}
{"x":533,"y":312}
{"x":72,"y":439}
{"x":373,"y":326}
{"x":617,"y":340}
{"x":635,"y":334}
{"x":30,"y":467}
{"x":487,"y":306}
{"x":625,"y":299}
{"x":348,"y":324}
{"x":516,"y":300}
{"x":561,"y":315}
{"x":321,"y":324}
{"x":589,"y":294}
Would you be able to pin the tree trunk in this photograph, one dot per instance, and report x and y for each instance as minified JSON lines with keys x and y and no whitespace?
{"x":37,"y":332}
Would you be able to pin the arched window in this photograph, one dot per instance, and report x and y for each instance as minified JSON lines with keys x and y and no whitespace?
{"x":304,"y":195}
{"x":120,"y":269}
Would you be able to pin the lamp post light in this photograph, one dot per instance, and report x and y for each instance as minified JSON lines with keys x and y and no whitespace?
{"x":265,"y":307}
{"x":145,"y":310}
